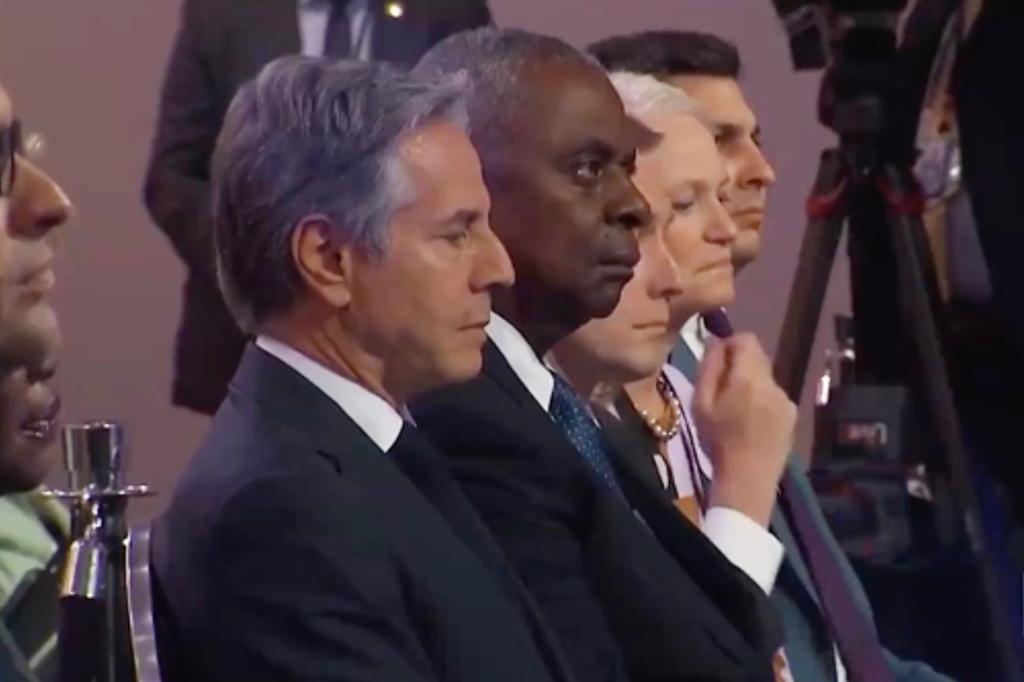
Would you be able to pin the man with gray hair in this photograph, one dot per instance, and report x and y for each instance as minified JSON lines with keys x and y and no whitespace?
{"x":558,"y":154}
{"x":314,"y":535}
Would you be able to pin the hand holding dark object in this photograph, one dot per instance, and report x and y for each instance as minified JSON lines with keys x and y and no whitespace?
{"x":746,"y":424}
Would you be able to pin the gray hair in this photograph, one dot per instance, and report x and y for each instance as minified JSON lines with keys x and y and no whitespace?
{"x":494,"y":60}
{"x":644,"y":95}
{"x":311,"y":137}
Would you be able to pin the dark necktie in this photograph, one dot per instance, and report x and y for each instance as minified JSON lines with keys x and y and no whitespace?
{"x":338,"y":38}
{"x":576,"y":422}
{"x":852,"y":632}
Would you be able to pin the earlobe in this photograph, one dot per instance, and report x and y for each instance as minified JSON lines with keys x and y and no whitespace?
{"x":323,"y":263}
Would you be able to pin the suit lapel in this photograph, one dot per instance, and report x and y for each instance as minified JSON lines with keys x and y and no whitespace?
{"x":497,"y":369}
{"x":428,"y":471}
{"x":285,"y":398}
{"x":430,"y":474}
{"x":688,"y":546}
{"x":630,"y":447}
{"x":794,"y":563}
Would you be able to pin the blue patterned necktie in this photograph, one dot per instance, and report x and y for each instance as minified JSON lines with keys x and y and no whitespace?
{"x":576,"y":422}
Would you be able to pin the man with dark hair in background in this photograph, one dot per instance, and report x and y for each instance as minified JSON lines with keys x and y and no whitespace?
{"x":824,"y":608}
{"x":219,"y":45}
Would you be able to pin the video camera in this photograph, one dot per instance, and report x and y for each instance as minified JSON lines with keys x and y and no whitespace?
{"x":898,"y":481}
{"x":864,"y":95}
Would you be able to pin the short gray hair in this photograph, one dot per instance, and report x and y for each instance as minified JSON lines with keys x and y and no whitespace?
{"x":309,"y":136}
{"x":644,"y":95}
{"x":494,"y":59}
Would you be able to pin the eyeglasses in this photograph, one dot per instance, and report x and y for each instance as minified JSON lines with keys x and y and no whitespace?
{"x":10,"y":146}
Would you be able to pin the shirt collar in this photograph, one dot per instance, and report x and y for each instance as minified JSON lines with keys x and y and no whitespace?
{"x":371,"y":413}
{"x":524,"y":362}
{"x":694,"y":335}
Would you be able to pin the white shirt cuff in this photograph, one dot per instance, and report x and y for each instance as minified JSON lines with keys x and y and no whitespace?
{"x":751,"y":548}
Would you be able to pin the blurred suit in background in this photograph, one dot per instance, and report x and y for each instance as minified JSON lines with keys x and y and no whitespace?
{"x":219,"y":45}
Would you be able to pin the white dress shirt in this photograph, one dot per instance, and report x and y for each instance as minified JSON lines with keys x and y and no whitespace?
{"x":534,"y":374}
{"x":371,"y":413}
{"x":735,"y":535}
{"x":313,"y":17}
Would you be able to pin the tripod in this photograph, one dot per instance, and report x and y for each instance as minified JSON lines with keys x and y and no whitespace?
{"x":894,"y":287}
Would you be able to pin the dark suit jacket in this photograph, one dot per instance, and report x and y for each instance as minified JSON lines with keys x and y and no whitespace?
{"x":221,"y":44}
{"x":13,"y":665}
{"x":30,"y":618}
{"x":624,"y":606}
{"x":294,"y":549}
{"x":809,"y":648}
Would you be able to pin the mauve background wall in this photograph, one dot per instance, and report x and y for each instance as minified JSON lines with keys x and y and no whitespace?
{"x":87,"y":74}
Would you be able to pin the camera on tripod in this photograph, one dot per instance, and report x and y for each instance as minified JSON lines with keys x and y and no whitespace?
{"x":862,"y":97}
{"x":872,"y":92}
{"x":817,"y":28}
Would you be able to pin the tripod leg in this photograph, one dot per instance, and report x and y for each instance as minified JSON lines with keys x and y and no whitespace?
{"x":922,"y":333}
{"x":825,"y":217}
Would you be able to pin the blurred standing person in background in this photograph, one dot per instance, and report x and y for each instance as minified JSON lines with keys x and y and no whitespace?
{"x":219,"y":45}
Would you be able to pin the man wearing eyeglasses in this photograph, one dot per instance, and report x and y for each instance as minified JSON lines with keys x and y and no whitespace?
{"x":219,"y":45}
{"x":32,"y":210}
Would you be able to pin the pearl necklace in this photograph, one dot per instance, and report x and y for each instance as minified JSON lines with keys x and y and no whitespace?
{"x":665,"y":434}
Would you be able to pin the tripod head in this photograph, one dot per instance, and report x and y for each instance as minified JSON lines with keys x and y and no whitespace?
{"x":864,"y":96}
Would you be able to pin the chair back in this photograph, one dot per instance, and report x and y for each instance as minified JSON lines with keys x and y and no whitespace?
{"x":140,"y":605}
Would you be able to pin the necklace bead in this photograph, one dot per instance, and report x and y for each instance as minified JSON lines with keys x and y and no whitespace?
{"x":662,"y":433}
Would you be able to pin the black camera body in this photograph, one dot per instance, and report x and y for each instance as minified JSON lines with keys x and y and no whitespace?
{"x":864,"y":96}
